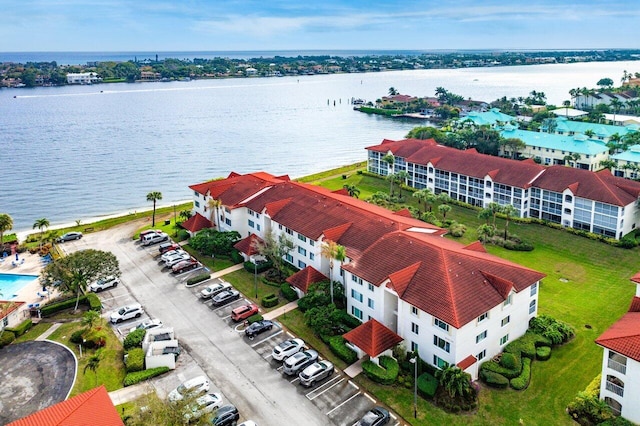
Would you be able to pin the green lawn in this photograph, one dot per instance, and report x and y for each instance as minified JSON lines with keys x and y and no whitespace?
{"x":243,"y":281}
{"x":214,"y":264}
{"x":587,"y":283}
{"x":110,"y":371}
{"x":33,"y":332}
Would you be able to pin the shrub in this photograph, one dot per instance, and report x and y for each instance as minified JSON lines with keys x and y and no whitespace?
{"x":198,"y":278}
{"x":94,"y":339}
{"x":254,"y":318}
{"x":509,"y":360}
{"x":134,"y":339}
{"x":52,"y":308}
{"x":236,"y":257}
{"x":427,"y":385}
{"x":525,"y":346}
{"x":94,"y":302}
{"x":6,"y":338}
{"x":495,"y":380}
{"x":342,"y":351}
{"x":269,"y":301}
{"x":385,"y":373}
{"x":288,"y":292}
{"x":522,"y":381}
{"x":350,"y":321}
{"x":494,"y":367}
{"x":543,"y":353}
{"x":257,"y":268}
{"x":77,"y":336}
{"x":135,"y":360}
{"x":20,"y":329}
{"x":556,"y":331}
{"x":138,"y":376}
{"x":616,"y":421}
{"x":589,"y":409}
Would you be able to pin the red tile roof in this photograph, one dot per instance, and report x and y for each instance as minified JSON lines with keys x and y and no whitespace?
{"x":7,"y":307}
{"x":635,"y":304}
{"x":304,"y":278}
{"x":440,"y":276}
{"x":373,"y":338}
{"x":196,"y":222}
{"x":476,"y":246}
{"x":636,"y":278}
{"x":247,"y":245}
{"x":236,"y":188}
{"x":93,"y":408}
{"x":623,"y":336}
{"x":467,"y":362}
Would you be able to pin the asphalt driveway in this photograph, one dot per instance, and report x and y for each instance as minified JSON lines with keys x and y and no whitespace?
{"x":33,"y":376}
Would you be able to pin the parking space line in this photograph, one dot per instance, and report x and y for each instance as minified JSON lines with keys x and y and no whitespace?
{"x":335,"y":384}
{"x":267,"y":338}
{"x":370,"y":398}
{"x":116,"y":297}
{"x":354,"y":385}
{"x":291,"y":336}
{"x":328,"y":382}
{"x":228,"y":316}
{"x":295,"y":380}
{"x":268,"y":356}
{"x":280,"y":368}
{"x":343,"y":402}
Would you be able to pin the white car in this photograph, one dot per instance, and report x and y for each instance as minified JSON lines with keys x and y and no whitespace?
{"x":287,"y":348}
{"x":170,"y":253}
{"x":203,"y":405}
{"x":126,"y":313}
{"x":316,"y":372}
{"x":213,"y":289}
{"x":176,"y":259}
{"x":104,"y":283}
{"x":154,"y":238}
{"x":248,"y":423}
{"x":147,"y":325}
{"x":196,"y":385}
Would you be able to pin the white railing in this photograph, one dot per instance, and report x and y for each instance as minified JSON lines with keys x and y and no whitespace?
{"x":615,"y":365}
{"x":618,"y":390}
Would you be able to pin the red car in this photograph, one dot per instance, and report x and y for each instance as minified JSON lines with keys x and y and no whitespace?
{"x":184,"y":266}
{"x":244,"y":312}
{"x":168,"y":246}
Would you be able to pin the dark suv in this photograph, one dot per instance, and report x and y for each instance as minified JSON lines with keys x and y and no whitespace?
{"x":226,"y":415}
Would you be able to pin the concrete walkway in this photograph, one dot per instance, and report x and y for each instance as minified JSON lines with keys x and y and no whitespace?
{"x":130,"y":393}
{"x":281,"y":310}
{"x":229,"y":270}
{"x":49,"y":332}
{"x":354,"y":369}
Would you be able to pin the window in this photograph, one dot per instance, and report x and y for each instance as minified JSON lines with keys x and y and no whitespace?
{"x":258,"y":226}
{"x":483,"y":317}
{"x":370,"y":287}
{"x":251,"y":224}
{"x":280,"y":227}
{"x":415,"y":328}
{"x":312,"y":256}
{"x":257,"y":215}
{"x":532,"y":306}
{"x":227,"y":221}
{"x":441,"y":343}
{"x":196,"y":194}
{"x":302,"y":238}
{"x":312,"y":243}
{"x":480,"y":337}
{"x":508,"y":300}
{"x":251,"y":213}
{"x":197,"y":203}
{"x":354,"y":278}
{"x":506,"y":320}
{"x":443,"y":325}
{"x":414,"y":347}
{"x":504,"y":339}
{"x":288,"y":231}
{"x":301,"y":264}
{"x":481,"y":355}
{"x":302,"y":251}
{"x":534,"y":289}
{"x":289,"y":258}
{"x":370,"y":303}
{"x":414,"y":311}
{"x":355,"y":295}
{"x":439,"y":362}
{"x":356,"y":312}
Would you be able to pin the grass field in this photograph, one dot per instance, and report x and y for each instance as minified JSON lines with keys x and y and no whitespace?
{"x":33,"y":332}
{"x":243,"y":281}
{"x":587,"y":285}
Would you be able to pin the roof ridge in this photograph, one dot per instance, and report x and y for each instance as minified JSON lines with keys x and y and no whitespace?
{"x":452,"y":299}
{"x":606,"y":185}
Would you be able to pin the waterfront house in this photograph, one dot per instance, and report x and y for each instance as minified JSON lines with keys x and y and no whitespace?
{"x":597,"y":202}
{"x":492,"y":118}
{"x":453,"y":304}
{"x":601,"y":98}
{"x":620,"y":383}
{"x":602,"y":132}
{"x":83,"y":78}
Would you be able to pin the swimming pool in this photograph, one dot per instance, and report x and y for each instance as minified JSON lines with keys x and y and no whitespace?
{"x":11,"y":284}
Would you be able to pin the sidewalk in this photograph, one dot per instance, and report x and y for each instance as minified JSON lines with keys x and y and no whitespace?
{"x":354,"y":369}
{"x":49,"y":332}
{"x":229,"y":270}
{"x":130,"y":393}
{"x":281,"y":310}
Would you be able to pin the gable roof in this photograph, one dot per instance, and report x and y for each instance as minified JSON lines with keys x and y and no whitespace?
{"x":196,"y":223}
{"x":7,"y":307}
{"x":247,"y":245}
{"x":623,"y":336}
{"x":373,"y":338}
{"x":467,"y":362}
{"x":440,"y":276}
{"x":236,"y":187}
{"x":305,"y":277}
{"x":92,"y":407}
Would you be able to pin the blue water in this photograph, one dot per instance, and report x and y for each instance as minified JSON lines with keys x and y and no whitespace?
{"x":11,"y":284}
{"x":76,"y":152}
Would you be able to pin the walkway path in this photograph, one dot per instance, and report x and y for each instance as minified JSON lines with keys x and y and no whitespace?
{"x":49,"y":332}
{"x":354,"y":369}
{"x":281,"y":310}
{"x":227,"y":270}
{"x":130,"y":393}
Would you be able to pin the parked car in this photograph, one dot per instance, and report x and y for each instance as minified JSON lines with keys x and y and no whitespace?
{"x":184,"y":266}
{"x":154,"y":238}
{"x":226,"y":416}
{"x":197,"y":385}
{"x":316,"y":372}
{"x":147,"y":325}
{"x":377,"y":416}
{"x":287,"y":348}
{"x":170,"y":253}
{"x":225,"y":297}
{"x":126,"y":313}
{"x":104,"y":283}
{"x":69,"y":236}
{"x":299,"y":361}
{"x":149,"y":231}
{"x":258,"y":327}
{"x":174,"y":260}
{"x":203,"y":405}
{"x":168,"y":246}
{"x":213,"y":289}
{"x":243,"y":312}
{"x":248,"y":423}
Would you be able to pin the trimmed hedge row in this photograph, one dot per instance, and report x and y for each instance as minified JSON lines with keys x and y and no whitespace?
{"x":543,"y":353}
{"x":135,"y":360}
{"x":52,"y":308}
{"x":134,"y":339}
{"x":341,"y":350}
{"x":254,"y":318}
{"x":494,"y":380}
{"x":138,"y":376}
{"x":522,"y":381}
{"x":198,"y":279}
{"x":6,"y":338}
{"x":288,"y":292}
{"x":94,"y":302}
{"x":269,"y":301}
{"x":20,"y":329}
{"x":427,"y":385}
{"x":386,"y":373}
{"x":261,"y":267}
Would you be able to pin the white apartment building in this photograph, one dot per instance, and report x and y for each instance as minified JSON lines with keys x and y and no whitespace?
{"x":83,"y":78}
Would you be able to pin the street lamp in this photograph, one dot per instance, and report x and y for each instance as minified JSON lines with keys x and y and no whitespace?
{"x":255,"y":275}
{"x":414,"y":361}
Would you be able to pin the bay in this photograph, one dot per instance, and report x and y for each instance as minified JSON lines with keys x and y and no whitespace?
{"x":76,"y":152}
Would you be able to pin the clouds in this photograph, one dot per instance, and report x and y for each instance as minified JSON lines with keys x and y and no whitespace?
{"x":287,"y":24}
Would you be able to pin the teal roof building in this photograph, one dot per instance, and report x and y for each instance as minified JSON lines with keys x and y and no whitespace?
{"x":488,"y":118}
{"x":632,"y":155}
{"x":601,"y":131}
{"x":576,"y":143}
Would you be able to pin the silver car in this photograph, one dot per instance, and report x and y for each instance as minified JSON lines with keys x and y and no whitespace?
{"x":287,"y":348}
{"x":315,"y":372}
{"x":297,"y":362}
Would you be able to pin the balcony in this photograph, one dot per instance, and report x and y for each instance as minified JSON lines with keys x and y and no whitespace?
{"x":615,"y":365}
{"x":618,"y":390}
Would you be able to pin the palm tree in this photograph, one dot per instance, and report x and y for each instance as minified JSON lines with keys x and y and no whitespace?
{"x":185,"y":214}
{"x":91,"y":318}
{"x":614,"y":143}
{"x":341,"y":255}
{"x":495,"y":209}
{"x":401,"y":177}
{"x":390,"y":159}
{"x":425,"y":196}
{"x":392,"y":178}
{"x":329,"y":249}
{"x":616,"y":105}
{"x":589,"y":133}
{"x":430,"y":217}
{"x":214,"y":205}
{"x":6,"y":224}
{"x":508,"y":210}
{"x":607,"y":164}
{"x":392,"y":91}
{"x":93,"y":362}
{"x":486,"y":215}
{"x":154,"y":196}
{"x":454,"y":380}
{"x":352,"y":190}
{"x":41,"y":224}
{"x":444,"y":209}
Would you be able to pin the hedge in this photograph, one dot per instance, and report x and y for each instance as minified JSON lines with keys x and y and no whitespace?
{"x":198,"y":279}
{"x":76,"y":336}
{"x":52,"y":308}
{"x":6,"y":338}
{"x":261,"y":267}
{"x":495,"y":380}
{"x":386,"y":373}
{"x":510,"y":361}
{"x":20,"y":329}
{"x":288,"y":292}
{"x":494,"y":367}
{"x":254,"y":318}
{"x":269,"y":301}
{"x":522,"y":381}
{"x":138,"y":376}
{"x":135,"y":360}
{"x":134,"y":339}
{"x":543,"y":353}
{"x":94,"y":339}
{"x":94,"y":302}
{"x":341,"y":350}
{"x":427,"y":385}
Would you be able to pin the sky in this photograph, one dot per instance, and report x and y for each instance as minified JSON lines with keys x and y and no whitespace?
{"x":240,"y":25}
